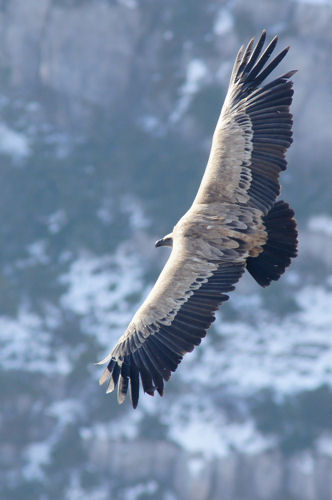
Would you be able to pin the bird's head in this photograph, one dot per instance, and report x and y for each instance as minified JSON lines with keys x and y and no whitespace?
{"x":166,"y":241}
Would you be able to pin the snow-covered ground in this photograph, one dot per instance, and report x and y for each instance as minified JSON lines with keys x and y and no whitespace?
{"x":100,"y":290}
{"x":26,"y":344}
{"x":288,"y":354}
{"x":13,"y":143}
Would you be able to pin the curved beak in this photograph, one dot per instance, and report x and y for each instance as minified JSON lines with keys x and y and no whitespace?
{"x":159,"y":243}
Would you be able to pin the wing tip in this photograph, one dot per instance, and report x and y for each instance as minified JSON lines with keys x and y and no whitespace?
{"x":104,"y":376}
{"x":110,"y":387}
{"x":103,"y":361}
{"x":252,"y":69}
{"x":121,"y":397}
{"x":262,"y":37}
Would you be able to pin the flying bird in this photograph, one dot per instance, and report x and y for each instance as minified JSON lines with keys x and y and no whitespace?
{"x":234,"y":223}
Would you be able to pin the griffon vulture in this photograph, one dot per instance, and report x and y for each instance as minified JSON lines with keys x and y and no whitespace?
{"x":233,"y":224}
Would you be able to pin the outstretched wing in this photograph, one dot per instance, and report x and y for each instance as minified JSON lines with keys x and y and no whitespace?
{"x":239,"y":186}
{"x":175,"y":316}
{"x":252,"y":134}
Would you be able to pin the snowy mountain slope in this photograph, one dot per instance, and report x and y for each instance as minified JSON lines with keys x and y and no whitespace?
{"x":80,"y":208}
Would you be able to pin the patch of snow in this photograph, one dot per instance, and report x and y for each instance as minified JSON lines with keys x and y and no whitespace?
{"x":152,"y":125}
{"x":89,"y":284}
{"x":99,"y":289}
{"x":324,"y":444}
{"x":321,"y":224}
{"x":200,"y":429}
{"x":26,"y":342}
{"x":137,"y":217}
{"x":65,"y":411}
{"x":56,"y":221}
{"x":36,"y":456}
{"x":117,"y":428}
{"x":199,"y":435}
{"x":224,"y":22}
{"x":52,"y":316}
{"x":292,"y":277}
{"x":136,"y":492}
{"x":196,"y":465}
{"x":291,"y":355}
{"x":13,"y":143}
{"x":196,"y":73}
{"x":37,"y":254}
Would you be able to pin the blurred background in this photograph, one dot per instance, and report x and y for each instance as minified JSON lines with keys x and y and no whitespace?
{"x":107,"y":108}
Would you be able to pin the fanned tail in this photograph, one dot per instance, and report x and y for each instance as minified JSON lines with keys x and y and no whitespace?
{"x":280,"y":247}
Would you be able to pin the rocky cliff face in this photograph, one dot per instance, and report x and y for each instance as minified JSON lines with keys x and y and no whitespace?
{"x":262,"y":476}
{"x":107,"y":109}
{"x":131,"y":61}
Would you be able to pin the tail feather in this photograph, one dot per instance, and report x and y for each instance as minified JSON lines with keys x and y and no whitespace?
{"x":280,"y":247}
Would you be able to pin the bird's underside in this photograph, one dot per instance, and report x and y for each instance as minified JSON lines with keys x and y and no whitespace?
{"x":234,"y":224}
